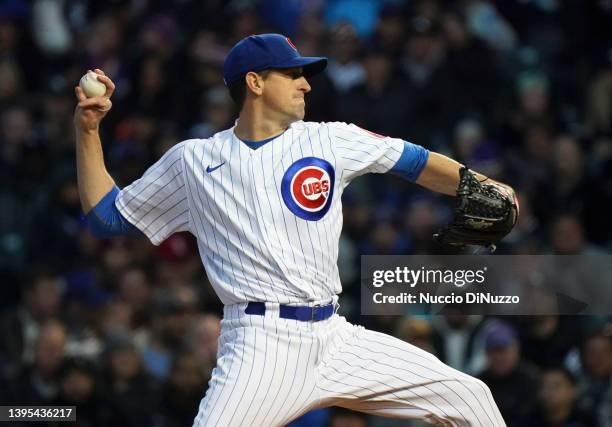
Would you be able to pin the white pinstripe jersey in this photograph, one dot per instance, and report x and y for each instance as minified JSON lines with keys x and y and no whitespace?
{"x":267,"y":220}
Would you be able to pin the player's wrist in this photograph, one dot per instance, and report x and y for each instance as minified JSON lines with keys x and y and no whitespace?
{"x":87,"y":128}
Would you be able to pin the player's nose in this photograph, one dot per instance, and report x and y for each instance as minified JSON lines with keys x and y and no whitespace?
{"x":303,"y":85}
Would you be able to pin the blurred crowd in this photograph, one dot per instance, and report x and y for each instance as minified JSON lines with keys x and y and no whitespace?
{"x":520,"y":90}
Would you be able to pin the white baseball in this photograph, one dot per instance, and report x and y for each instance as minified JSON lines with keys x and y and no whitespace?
{"x":91,"y":85}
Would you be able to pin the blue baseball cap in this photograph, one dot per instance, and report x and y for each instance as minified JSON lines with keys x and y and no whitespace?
{"x":267,"y":51}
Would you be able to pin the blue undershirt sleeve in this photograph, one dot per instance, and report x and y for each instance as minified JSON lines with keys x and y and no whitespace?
{"x":105,"y":220}
{"x":412,"y":162}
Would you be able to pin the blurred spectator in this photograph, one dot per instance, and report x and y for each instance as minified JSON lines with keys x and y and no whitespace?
{"x":385,"y":239}
{"x":21,"y":326}
{"x":84,"y":306}
{"x":117,"y":320}
{"x":390,"y":30}
{"x":217,"y":113}
{"x":103,"y":45}
{"x":564,"y":190}
{"x":183,"y":390}
{"x":474,"y":67}
{"x":380,"y":103}
{"x":428,"y":9}
{"x":310,"y":41}
{"x":151,"y":94}
{"x":205,"y":57}
{"x":56,"y":125}
{"x":10,"y":82}
{"x":16,"y":43}
{"x":567,"y":236}
{"x":59,"y":226}
{"x":546,"y":340}
{"x":245,"y":20}
{"x":556,"y":401}
{"x":423,"y":218}
{"x":424,"y":51}
{"x":311,"y":32}
{"x":135,"y":290}
{"x":117,"y":256}
{"x":38,"y":381}
{"x":599,"y":108}
{"x":596,"y":381}
{"x":458,"y":340}
{"x":78,"y":388}
{"x":158,"y":37}
{"x":430,"y":81}
{"x":172,"y":316}
{"x":130,"y":393}
{"x":344,"y":69}
{"x":475,"y":149}
{"x":534,"y":107}
{"x":531,"y":166}
{"x":512,"y":381}
{"x":17,"y":134}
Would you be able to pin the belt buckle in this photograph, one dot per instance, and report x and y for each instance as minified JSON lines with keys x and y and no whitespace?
{"x":314,"y":312}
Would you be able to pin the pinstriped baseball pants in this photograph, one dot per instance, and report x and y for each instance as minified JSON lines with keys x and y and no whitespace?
{"x":271,"y":370}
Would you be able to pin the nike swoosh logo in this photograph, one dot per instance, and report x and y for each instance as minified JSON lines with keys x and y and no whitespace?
{"x":209,"y":169}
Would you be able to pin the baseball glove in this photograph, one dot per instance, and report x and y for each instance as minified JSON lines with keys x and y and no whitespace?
{"x":484,"y":213}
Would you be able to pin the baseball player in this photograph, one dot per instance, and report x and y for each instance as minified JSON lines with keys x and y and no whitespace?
{"x":263,"y":199}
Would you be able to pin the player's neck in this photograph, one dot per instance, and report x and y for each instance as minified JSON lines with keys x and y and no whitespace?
{"x":252,"y":126}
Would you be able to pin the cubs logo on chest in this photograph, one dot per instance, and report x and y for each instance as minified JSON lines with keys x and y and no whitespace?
{"x":308,"y":187}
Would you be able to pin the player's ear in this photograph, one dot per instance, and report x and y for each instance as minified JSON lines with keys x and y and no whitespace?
{"x":254,"y":82}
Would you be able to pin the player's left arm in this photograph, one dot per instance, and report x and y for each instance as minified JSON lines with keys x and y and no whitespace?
{"x":360,"y":151}
{"x":441,"y":174}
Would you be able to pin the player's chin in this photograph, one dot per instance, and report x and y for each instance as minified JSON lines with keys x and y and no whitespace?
{"x":300,"y":111}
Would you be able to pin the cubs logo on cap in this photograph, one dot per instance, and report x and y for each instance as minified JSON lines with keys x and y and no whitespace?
{"x":308,"y":187}
{"x":291,"y":44}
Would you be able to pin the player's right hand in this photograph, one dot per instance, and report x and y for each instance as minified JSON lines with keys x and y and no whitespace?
{"x":89,"y":112}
